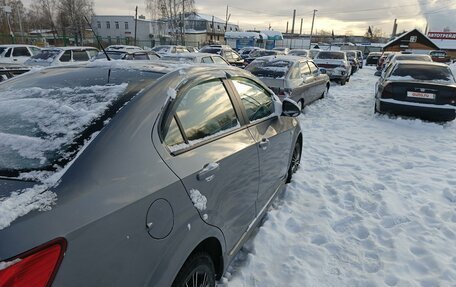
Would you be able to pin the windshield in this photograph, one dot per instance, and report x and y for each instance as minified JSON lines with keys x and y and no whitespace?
{"x":46,"y":55}
{"x":112,"y":55}
{"x":2,"y":49}
{"x":414,"y":58}
{"x":330,"y":55}
{"x":161,"y":49}
{"x":211,"y":50}
{"x":298,"y":53}
{"x":275,"y":68}
{"x":47,"y":115}
{"x":351,"y":54}
{"x":422,"y":73}
{"x":261,"y":53}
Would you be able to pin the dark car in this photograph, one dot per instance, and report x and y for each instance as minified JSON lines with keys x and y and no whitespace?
{"x":130,"y":173}
{"x":292,"y":77}
{"x":440,"y":56}
{"x":422,"y":89}
{"x":352,"y":56}
{"x":226,"y":52}
{"x":261,"y":53}
{"x":372,"y":58}
{"x":244,"y":52}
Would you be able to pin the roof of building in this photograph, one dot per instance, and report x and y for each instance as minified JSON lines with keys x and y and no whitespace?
{"x":414,"y":31}
{"x":445,"y":44}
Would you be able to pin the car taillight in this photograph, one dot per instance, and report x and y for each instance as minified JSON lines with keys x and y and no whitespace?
{"x":36,"y":267}
{"x":387,"y":92}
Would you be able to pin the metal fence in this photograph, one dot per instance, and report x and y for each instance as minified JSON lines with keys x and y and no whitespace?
{"x":62,"y":41}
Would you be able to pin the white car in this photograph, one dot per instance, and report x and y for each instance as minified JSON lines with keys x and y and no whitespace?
{"x":62,"y":56}
{"x":17,"y":54}
{"x":335,"y":64}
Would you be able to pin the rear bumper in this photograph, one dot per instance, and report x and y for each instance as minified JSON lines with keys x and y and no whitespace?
{"x":337,"y":74}
{"x":423,"y":111}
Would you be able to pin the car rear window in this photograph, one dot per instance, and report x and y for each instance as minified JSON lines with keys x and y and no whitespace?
{"x":414,"y":58}
{"x":161,"y":49}
{"x":275,"y":68}
{"x":46,"y":55}
{"x":330,"y":55}
{"x":47,"y":115}
{"x":211,"y":50}
{"x":422,"y":73}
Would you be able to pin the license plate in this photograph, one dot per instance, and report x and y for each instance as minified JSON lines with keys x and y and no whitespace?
{"x":421,"y":95}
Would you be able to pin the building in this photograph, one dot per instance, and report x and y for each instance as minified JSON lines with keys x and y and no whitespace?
{"x":199,"y":29}
{"x":445,"y":41}
{"x":413,"y":40}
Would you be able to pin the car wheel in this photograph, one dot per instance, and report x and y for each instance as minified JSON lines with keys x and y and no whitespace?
{"x":325,"y":93}
{"x":295,"y":161}
{"x":343,"y":81}
{"x":198,"y":271}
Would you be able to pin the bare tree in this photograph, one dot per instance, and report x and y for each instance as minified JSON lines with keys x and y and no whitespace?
{"x":170,"y":11}
{"x":18,"y":12}
{"x":70,"y":17}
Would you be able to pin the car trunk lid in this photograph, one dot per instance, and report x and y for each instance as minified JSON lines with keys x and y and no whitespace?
{"x":424,"y":92}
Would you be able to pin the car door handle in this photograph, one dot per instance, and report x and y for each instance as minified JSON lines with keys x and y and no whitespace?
{"x":264,"y":143}
{"x":14,"y":59}
{"x":208,"y":172}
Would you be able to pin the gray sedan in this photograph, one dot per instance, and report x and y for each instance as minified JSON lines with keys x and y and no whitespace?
{"x":292,"y":77}
{"x":137,"y":174}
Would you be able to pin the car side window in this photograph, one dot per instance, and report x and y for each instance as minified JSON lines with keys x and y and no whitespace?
{"x":313,"y":67}
{"x":219,"y":60}
{"x":206,"y":110}
{"x":304,"y":68}
{"x":66,"y":57}
{"x":207,"y":60}
{"x":92,"y":53}
{"x":80,"y":56}
{"x":294,"y":72}
{"x":8,"y":52}
{"x":141,"y":56}
{"x":257,"y":102}
{"x":173,"y":135}
{"x":35,"y":50}
{"x":21,"y":52}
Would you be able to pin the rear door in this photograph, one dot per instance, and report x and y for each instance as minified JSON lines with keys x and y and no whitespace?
{"x":271,"y":133}
{"x":319,"y":78}
{"x":214,"y":155}
{"x":20,"y":55}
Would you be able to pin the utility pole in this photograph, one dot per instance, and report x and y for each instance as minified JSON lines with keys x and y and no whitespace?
{"x":286,"y":31}
{"x":292,"y":24}
{"x":311,"y":29}
{"x":227,"y":18}
{"x":20,"y":24}
{"x":136,"y":22}
{"x":300,"y":30}
{"x":183,"y":23}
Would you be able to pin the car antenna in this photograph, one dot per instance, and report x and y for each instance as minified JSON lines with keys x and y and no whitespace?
{"x":98,"y":40}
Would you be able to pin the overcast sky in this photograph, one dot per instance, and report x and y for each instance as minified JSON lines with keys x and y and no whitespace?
{"x":344,"y":17}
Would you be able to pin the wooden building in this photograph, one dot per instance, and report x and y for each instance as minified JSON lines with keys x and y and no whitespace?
{"x":413,"y":40}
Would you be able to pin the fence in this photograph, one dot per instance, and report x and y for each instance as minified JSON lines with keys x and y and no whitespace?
{"x":62,"y":41}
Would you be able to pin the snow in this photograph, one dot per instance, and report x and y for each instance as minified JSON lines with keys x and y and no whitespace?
{"x":373,"y":203}
{"x":4,"y":265}
{"x":199,"y":200}
{"x":171,"y":93}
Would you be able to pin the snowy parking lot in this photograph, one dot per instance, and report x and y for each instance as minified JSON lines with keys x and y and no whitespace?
{"x":373,"y":204}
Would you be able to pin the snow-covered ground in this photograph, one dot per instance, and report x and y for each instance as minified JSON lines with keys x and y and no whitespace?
{"x":373,"y":204}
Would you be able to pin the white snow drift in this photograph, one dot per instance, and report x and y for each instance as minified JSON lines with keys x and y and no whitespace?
{"x":373,"y":204}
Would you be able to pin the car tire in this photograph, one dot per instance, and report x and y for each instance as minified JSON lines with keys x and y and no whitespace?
{"x":325,"y":93}
{"x":342,"y":82}
{"x":197,"y":271}
{"x":295,"y":161}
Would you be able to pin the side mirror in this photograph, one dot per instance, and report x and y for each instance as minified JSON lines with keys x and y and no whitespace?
{"x":378,"y":73}
{"x":323,"y":70}
{"x":290,"y":108}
